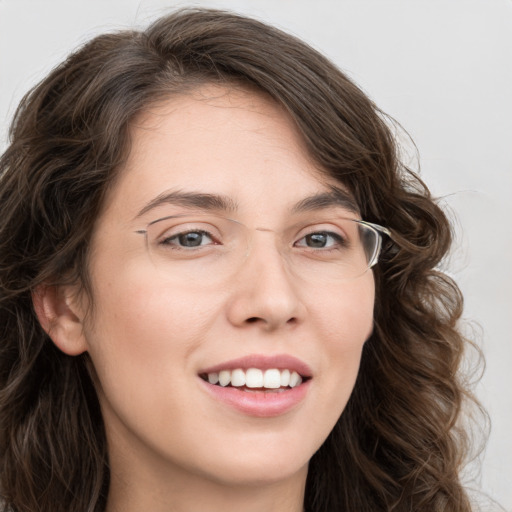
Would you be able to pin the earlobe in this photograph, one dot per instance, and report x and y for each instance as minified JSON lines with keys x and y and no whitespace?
{"x":60,"y":317}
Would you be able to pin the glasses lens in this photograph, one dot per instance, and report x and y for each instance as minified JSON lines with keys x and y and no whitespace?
{"x":345,"y":250}
{"x":204,"y":250}
{"x":196,"y":251}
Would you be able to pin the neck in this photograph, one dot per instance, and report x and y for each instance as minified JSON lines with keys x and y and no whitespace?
{"x":142,"y":480}
{"x":185,"y":492}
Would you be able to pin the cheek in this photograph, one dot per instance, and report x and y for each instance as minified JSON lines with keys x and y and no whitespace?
{"x":143,"y":326}
{"x":145,"y":321}
{"x":345,"y":323}
{"x":140,"y":341}
{"x":346,"y":312}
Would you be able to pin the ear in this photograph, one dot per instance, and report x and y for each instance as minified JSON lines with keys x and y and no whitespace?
{"x":60,"y":316}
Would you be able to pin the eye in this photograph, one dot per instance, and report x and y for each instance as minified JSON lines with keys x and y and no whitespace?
{"x":321,"y":240}
{"x":188,"y":239}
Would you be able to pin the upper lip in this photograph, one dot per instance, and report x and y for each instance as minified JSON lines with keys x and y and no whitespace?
{"x":263,"y":362}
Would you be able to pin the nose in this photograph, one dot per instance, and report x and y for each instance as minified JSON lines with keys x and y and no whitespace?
{"x":264,"y":291}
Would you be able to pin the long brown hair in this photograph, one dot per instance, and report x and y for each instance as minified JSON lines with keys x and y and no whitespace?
{"x":397,"y":445}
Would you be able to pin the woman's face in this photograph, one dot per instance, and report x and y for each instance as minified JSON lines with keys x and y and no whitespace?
{"x":160,"y":327}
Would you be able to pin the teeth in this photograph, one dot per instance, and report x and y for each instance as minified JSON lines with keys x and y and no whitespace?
{"x":272,"y":379}
{"x":238,"y":378}
{"x":224,"y":377}
{"x":213,"y":378}
{"x":256,"y":378}
{"x":295,"y":379}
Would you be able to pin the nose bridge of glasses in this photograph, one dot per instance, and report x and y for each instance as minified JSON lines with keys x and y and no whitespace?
{"x":266,"y":238}
{"x":266,"y":246}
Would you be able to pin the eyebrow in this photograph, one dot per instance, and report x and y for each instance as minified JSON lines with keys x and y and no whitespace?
{"x":202,"y":201}
{"x":216,"y":202}
{"x":335,"y":197}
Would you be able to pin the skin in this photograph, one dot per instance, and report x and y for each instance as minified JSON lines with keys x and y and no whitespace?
{"x":171,"y":446}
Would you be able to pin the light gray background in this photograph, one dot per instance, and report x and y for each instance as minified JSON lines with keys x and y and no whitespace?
{"x":443,"y":68}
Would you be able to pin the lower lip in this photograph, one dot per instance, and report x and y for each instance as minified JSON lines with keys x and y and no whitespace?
{"x":259,"y":403}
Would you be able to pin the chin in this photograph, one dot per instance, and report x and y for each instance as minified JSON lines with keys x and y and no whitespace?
{"x":257,"y":474}
{"x":262,"y":463}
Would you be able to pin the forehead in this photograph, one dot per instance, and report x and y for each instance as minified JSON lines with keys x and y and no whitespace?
{"x":222,"y":141}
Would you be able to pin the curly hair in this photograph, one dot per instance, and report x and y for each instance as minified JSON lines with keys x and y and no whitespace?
{"x":397,"y":446}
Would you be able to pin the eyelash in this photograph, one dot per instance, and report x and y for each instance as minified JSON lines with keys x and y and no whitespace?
{"x":167,"y":241}
{"x":338,"y":240}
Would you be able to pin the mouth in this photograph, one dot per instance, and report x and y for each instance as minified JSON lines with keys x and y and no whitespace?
{"x":259,"y":385}
{"x":252,"y":380}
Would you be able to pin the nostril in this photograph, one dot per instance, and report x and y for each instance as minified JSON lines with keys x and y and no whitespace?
{"x":270,"y":323}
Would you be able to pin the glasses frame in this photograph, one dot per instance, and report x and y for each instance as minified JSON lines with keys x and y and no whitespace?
{"x":376,"y":228}
{"x":380,"y":230}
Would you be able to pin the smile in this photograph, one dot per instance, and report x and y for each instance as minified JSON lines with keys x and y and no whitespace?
{"x":258,"y":385}
{"x":254,"y":378}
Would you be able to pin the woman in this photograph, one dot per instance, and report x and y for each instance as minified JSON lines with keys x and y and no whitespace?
{"x":219,"y":287}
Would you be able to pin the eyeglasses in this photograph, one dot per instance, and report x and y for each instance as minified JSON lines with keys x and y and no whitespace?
{"x":203,"y":249}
